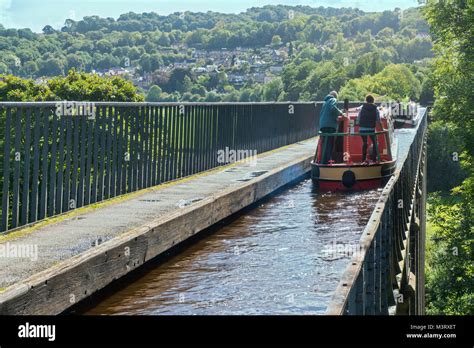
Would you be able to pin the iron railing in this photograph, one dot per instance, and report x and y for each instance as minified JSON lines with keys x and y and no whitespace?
{"x":387,"y":273}
{"x":56,"y":157}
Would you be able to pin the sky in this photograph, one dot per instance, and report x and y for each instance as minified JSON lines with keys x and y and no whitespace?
{"x":35,"y":14}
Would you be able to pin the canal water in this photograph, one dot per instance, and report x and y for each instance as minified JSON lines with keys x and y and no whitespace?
{"x":286,"y":256}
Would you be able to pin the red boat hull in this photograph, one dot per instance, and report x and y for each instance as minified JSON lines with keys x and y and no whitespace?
{"x":358,"y":186}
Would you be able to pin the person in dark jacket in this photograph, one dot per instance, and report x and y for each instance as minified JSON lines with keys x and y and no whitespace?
{"x":328,"y":123}
{"x":368,"y":119}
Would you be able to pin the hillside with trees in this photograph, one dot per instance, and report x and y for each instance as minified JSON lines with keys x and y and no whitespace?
{"x":263,"y":54}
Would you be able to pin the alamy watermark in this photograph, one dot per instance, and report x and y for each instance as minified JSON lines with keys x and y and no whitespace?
{"x":23,"y":251}
{"x":228,"y":155}
{"x":71,"y":108}
{"x":396,"y":109}
{"x":341,"y":250}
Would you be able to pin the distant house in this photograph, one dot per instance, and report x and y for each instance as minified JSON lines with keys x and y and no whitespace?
{"x":211,"y":68}
{"x":259,"y":77}
{"x":236,"y":79}
{"x":120,"y":71}
{"x":200,"y":70}
{"x":278,"y":55}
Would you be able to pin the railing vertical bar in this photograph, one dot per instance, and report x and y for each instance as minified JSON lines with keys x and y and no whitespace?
{"x":184,"y":141}
{"x":144,"y":146}
{"x":109,"y":185}
{"x":17,"y":168}
{"x":120,"y":164}
{"x":26,"y":169}
{"x":135,"y":154}
{"x":152,"y":144}
{"x":52,"y":170}
{"x":178,"y":142}
{"x":96,"y":159}
{"x":6,"y":171}
{"x":69,"y":155}
{"x":126,"y":152}
{"x":75,"y":164}
{"x":83,"y":146}
{"x":215,"y":136}
{"x":143,"y":155}
{"x":44,"y":166}
{"x":155,"y":140}
{"x":60,"y":174}
{"x":205,"y":138}
{"x":113,"y":134}
{"x":166,"y":145}
{"x":200,"y":166}
{"x":220,"y":133}
{"x":90,"y":156}
{"x":102,"y":147}
{"x":36,"y":165}
{"x":193,"y":157}
{"x":171,"y":138}
{"x":159,"y":150}
{"x":174,"y":161}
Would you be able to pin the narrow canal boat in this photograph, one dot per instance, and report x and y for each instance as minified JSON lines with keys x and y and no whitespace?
{"x":347,"y":170}
{"x":406,"y":115}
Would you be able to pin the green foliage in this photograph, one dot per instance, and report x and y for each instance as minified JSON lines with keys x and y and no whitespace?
{"x":445,"y":146}
{"x":83,"y":86}
{"x":450,"y":279}
{"x":272,"y":90}
{"x":13,"y":88}
{"x":322,"y":49}
{"x":450,"y":260}
{"x":394,"y":82}
{"x":154,"y":94}
{"x":75,"y":86}
{"x":453,"y":32}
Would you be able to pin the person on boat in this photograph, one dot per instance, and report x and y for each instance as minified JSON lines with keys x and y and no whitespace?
{"x":328,"y":124}
{"x":368,"y":119}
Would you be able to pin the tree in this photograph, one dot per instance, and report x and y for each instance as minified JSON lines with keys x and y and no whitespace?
{"x":154,"y":94}
{"x":104,"y":46}
{"x":30,"y":68}
{"x":48,"y":30}
{"x":272,"y":90}
{"x":176,"y":81}
{"x":73,"y":61}
{"x":394,"y":82}
{"x":13,"y":88}
{"x":83,"y":86}
{"x":52,"y":67}
{"x":290,"y":49}
{"x":276,"y":40}
{"x":450,"y":276}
